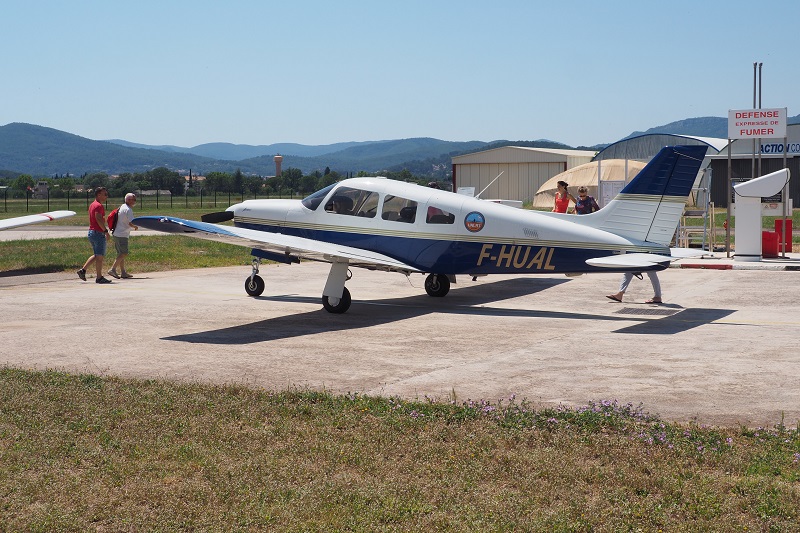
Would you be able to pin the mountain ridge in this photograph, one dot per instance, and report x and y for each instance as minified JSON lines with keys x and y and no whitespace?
{"x":42,"y":151}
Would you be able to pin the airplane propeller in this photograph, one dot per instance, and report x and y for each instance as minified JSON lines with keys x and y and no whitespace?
{"x":219,"y":216}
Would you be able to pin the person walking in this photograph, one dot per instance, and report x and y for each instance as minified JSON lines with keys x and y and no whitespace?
{"x":98,"y":236}
{"x":626,"y":280}
{"x":121,"y":233}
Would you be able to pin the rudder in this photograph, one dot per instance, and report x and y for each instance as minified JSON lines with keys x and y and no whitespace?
{"x":650,"y":206}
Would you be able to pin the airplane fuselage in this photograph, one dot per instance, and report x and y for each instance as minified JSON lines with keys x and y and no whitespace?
{"x":439,"y":231}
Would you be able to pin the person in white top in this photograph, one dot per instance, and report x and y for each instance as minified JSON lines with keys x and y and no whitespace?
{"x":121,"y":233}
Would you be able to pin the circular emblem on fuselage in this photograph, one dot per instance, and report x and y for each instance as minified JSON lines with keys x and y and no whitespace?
{"x":474,"y":222}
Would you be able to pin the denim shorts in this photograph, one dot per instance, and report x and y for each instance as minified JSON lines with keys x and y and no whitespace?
{"x":98,"y":240}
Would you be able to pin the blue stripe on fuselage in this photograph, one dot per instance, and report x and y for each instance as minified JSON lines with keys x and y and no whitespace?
{"x":460,"y":257}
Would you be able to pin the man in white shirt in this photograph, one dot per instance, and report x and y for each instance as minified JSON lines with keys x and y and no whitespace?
{"x":121,"y":233}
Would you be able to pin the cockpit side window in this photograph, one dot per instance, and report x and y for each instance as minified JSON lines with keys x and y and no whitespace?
{"x":354,"y":202}
{"x":399,"y":209}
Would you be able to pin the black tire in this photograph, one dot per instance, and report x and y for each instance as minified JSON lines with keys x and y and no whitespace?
{"x":437,"y":285}
{"x":254,"y":286}
{"x":341,"y":307}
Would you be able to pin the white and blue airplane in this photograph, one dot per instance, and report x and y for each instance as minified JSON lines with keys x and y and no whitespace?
{"x":383,"y":224}
{"x":27,"y":220}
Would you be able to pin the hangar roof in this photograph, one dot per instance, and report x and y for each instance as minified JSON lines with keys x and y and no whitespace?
{"x":521,"y":154}
{"x":644,"y":147}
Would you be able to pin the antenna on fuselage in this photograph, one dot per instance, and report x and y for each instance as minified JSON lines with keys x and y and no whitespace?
{"x":490,"y":184}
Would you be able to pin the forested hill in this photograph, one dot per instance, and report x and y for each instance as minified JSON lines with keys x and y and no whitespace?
{"x":42,"y":151}
{"x":715,"y":127}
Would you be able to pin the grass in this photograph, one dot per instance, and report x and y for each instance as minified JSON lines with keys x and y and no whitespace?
{"x":147,"y":254}
{"x":84,"y":451}
{"x":89,"y":452}
{"x":190,"y":209}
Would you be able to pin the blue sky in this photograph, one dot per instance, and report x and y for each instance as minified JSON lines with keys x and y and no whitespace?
{"x":319,"y":72}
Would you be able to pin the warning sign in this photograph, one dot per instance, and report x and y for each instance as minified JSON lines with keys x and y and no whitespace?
{"x":757,"y":123}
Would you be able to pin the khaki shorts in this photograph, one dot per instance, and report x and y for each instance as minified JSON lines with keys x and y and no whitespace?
{"x":121,"y":245}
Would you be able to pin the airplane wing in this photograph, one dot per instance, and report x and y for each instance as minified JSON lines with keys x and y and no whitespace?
{"x":276,"y":243}
{"x":34,"y":219}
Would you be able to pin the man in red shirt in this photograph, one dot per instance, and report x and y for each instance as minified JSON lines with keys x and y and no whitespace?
{"x":98,"y":236}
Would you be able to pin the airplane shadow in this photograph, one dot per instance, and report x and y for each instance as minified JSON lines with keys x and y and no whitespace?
{"x":28,"y":271}
{"x":684,"y":320}
{"x":469,"y":300}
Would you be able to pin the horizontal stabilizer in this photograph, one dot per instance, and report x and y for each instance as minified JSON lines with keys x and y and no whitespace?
{"x":632,"y":261}
{"x":682,"y":253}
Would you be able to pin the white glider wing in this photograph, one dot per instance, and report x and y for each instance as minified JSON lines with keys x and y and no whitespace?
{"x":33,"y":219}
{"x":287,"y":246}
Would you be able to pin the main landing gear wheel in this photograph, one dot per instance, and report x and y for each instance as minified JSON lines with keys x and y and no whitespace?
{"x":337,"y":305}
{"x":254,"y":286}
{"x":437,"y":285}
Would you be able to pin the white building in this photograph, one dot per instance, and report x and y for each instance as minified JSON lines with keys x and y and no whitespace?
{"x":524,"y":170}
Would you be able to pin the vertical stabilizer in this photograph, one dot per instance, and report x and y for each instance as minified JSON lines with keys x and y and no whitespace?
{"x":650,"y":206}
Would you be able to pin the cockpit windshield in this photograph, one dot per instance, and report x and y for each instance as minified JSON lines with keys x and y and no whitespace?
{"x":313,"y":200}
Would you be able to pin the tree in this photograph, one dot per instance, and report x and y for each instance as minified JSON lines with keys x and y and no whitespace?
{"x":309,"y":183}
{"x":219,"y":182}
{"x":23,"y":183}
{"x":164,"y":178}
{"x":63,"y":186}
{"x":324,"y":181}
{"x":253,"y":184}
{"x":238,"y":181}
{"x":93,"y":181}
{"x":291,"y":178}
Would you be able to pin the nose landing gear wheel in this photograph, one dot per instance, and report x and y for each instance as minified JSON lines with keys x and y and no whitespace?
{"x":437,"y":285}
{"x":254,"y":286}
{"x":337,"y":305}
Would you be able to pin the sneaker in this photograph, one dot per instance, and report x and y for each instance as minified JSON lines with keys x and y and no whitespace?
{"x":101,"y":279}
{"x":82,"y":274}
{"x":113,"y":273}
{"x":125,"y":275}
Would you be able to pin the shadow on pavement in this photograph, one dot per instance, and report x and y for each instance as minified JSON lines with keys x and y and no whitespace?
{"x":465,"y":301}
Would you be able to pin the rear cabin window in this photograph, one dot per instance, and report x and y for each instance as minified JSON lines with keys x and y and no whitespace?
{"x":353,"y":202}
{"x":436,"y":215}
{"x":399,"y":209}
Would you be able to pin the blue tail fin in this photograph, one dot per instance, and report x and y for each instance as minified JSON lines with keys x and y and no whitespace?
{"x":650,"y":206}
{"x":672,"y":172}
